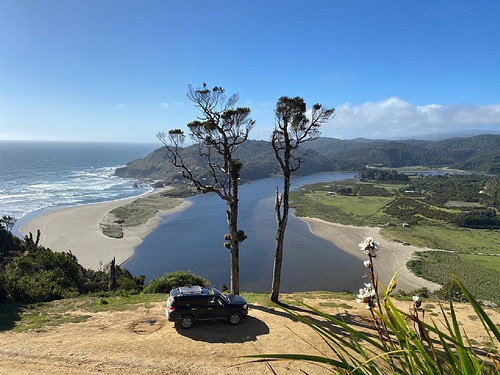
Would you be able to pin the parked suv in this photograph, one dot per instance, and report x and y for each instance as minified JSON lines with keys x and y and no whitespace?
{"x":187,"y":304}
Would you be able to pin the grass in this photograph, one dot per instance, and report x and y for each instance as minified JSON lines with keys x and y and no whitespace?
{"x":483,"y":283}
{"x":490,"y":262}
{"x":403,"y":343}
{"x":359,"y":210}
{"x":341,"y":305}
{"x":39,"y":316}
{"x":439,"y":235}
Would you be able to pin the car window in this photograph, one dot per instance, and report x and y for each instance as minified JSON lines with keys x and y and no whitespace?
{"x":190,"y":301}
{"x":216,"y":300}
{"x":200,"y":301}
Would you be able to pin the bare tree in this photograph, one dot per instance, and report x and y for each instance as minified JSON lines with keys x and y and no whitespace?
{"x":216,"y":134}
{"x":291,"y":130}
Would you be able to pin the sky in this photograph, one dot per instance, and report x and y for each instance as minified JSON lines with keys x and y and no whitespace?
{"x":118,"y":71}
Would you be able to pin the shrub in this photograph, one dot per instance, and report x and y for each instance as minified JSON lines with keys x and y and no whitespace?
{"x":401,"y":342}
{"x":172,"y":280}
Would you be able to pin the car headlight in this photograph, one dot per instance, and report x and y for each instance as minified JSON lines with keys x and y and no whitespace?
{"x":245,"y":306}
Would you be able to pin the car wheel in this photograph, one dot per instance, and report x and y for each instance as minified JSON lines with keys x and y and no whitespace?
{"x":234,"y":318}
{"x":187,"y":321}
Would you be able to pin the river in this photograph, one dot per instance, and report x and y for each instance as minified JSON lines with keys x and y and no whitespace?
{"x":193,"y":240}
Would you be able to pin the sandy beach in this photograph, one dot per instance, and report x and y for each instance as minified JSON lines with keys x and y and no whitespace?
{"x":391,"y":258}
{"x":76,"y":229}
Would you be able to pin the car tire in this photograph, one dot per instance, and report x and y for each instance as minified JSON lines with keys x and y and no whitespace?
{"x":234,"y":318}
{"x":187,"y":321}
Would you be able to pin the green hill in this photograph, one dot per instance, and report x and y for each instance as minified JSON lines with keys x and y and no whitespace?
{"x":480,"y":154}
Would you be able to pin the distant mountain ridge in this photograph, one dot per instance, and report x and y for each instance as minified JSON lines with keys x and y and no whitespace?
{"x":480,"y":153}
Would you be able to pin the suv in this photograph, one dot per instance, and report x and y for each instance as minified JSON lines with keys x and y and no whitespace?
{"x":187,"y":304}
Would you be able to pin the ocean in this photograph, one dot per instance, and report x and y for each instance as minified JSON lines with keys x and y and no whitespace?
{"x":39,"y":176}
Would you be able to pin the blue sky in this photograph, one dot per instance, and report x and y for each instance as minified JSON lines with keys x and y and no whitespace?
{"x":98,"y":70}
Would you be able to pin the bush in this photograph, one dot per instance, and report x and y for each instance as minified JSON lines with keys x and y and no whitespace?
{"x":172,"y":280}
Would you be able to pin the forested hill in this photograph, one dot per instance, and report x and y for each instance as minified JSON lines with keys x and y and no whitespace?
{"x":480,"y":153}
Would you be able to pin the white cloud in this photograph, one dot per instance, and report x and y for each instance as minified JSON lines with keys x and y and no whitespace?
{"x":179,"y":103}
{"x":120,"y":106}
{"x":164,"y":105}
{"x":395,"y":118}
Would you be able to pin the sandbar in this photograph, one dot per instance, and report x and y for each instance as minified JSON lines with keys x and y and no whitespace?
{"x":391,"y":258}
{"x":77,"y":229}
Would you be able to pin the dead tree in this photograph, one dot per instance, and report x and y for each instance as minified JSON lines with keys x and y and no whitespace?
{"x":112,"y":275}
{"x":32,"y":245}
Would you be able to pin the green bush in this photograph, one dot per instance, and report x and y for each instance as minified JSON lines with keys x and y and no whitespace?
{"x":172,"y":280}
{"x":29,"y":274}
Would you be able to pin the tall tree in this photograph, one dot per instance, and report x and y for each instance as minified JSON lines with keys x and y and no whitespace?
{"x":292,"y":128}
{"x":217,"y":133}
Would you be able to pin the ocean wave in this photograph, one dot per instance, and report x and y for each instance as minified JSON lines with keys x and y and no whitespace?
{"x":58,"y":190}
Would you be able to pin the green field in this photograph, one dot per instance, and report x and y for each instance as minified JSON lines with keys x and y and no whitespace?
{"x":481,"y":281}
{"x":447,"y":237}
{"x":491,"y":262}
{"x":432,"y":226}
{"x":360,"y":210}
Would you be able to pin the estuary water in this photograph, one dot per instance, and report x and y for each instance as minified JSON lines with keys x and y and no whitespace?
{"x":192,"y":240}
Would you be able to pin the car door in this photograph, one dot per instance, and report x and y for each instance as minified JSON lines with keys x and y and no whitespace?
{"x":203,"y":308}
{"x":217,"y":308}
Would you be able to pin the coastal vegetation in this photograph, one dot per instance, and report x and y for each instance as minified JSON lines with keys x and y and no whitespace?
{"x":402,"y":342}
{"x":30,"y":273}
{"x":454,"y":213}
{"x":168,"y":281}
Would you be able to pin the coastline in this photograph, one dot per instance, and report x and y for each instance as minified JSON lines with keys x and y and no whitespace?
{"x":392,"y":256}
{"x":77,"y":229}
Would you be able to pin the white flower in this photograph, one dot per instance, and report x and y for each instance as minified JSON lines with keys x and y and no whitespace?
{"x":367,"y":295}
{"x":369,"y":246}
{"x":367,"y":263}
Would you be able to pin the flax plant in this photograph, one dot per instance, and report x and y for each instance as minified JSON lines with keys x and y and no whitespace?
{"x":405,"y":342}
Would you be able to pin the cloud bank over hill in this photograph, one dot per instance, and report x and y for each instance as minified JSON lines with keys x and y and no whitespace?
{"x":394,"y":118}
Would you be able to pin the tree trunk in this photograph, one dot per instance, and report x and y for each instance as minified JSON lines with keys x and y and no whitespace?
{"x":281,"y":208}
{"x":232,"y":221}
{"x":112,"y":276}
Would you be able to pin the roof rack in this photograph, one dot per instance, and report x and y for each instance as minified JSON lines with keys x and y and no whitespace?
{"x":190,"y":289}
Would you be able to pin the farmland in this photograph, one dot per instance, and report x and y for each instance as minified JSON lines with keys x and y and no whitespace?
{"x":418,"y":212}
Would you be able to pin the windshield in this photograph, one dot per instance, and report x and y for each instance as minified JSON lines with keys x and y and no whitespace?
{"x":225,"y":298}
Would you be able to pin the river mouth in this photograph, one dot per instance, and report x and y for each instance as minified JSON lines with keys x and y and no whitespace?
{"x":193,"y":240}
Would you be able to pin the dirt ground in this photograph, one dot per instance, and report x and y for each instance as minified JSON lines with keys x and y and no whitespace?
{"x":142,"y":341}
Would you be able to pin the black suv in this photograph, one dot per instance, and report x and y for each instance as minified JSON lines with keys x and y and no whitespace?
{"x":187,"y":304}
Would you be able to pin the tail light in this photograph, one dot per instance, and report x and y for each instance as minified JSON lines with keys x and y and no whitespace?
{"x":171,"y":308}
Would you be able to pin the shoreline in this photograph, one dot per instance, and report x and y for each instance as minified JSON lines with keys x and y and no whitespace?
{"x":392,"y":256}
{"x":77,"y":230}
